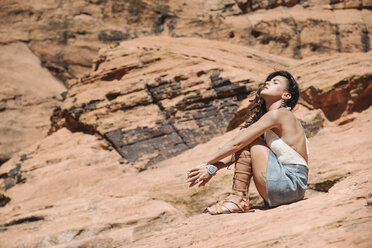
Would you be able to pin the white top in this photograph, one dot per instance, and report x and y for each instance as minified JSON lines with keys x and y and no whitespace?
{"x":285,"y":153}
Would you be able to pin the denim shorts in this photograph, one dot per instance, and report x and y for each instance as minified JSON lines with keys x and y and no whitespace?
{"x":285,"y":183}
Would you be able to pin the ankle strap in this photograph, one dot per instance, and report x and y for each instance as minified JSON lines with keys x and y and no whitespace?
{"x":243,"y":196}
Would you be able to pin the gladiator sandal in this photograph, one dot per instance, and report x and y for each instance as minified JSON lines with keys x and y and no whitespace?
{"x":237,"y":201}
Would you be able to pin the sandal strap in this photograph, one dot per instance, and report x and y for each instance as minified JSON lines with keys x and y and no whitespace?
{"x":246,"y":198}
{"x":236,"y":193}
{"x":221,"y":207}
{"x":236,"y":204}
{"x":243,"y":172}
{"x":218,"y":207}
{"x":240,"y":190}
{"x":241,"y":180}
{"x":244,"y":163}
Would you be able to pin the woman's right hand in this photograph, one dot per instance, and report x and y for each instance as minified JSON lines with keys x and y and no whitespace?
{"x":198,"y":174}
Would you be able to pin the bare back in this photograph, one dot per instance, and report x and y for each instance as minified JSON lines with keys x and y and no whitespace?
{"x":291,"y":132}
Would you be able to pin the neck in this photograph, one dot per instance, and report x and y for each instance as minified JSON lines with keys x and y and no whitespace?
{"x":273,"y":105}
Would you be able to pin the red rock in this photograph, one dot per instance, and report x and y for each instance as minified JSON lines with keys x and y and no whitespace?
{"x":70,"y":188}
{"x":28,"y":94}
{"x":66,"y":37}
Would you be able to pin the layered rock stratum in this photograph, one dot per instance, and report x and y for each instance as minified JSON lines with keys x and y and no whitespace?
{"x":66,"y":35}
{"x":99,"y":159}
{"x":71,"y":188}
{"x":187,"y":91}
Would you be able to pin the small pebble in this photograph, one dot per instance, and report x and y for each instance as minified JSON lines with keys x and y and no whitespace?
{"x":123,"y":161}
{"x":23,"y":157}
{"x":369,"y":200}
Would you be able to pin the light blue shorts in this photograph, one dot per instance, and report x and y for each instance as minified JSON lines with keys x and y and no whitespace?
{"x":285,"y":183}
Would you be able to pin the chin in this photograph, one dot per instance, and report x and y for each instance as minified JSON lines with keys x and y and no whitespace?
{"x":263,"y":95}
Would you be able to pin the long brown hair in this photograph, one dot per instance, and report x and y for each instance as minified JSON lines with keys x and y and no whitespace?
{"x":259,"y":107}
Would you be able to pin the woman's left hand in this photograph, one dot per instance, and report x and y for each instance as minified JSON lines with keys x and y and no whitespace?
{"x":198,"y":174}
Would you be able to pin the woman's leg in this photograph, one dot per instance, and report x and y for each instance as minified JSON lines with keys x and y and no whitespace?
{"x":238,"y":200}
{"x":260,"y":155}
{"x":250,"y":160}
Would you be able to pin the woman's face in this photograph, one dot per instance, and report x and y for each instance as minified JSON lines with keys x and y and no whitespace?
{"x":275,"y":87}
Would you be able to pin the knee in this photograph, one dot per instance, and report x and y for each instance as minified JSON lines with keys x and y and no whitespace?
{"x":244,"y":154}
{"x":258,"y":141}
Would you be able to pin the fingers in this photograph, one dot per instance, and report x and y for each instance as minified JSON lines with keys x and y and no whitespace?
{"x":194,"y":182}
{"x":204,"y":176}
{"x":193,"y":169}
{"x":190,"y":179}
{"x":190,"y":174}
{"x":201,"y":179}
{"x":195,"y":175}
{"x":203,"y":183}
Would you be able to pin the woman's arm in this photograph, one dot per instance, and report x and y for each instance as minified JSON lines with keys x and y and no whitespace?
{"x":243,"y":137}
{"x":225,"y":162}
{"x":246,"y":136}
{"x":201,"y":172}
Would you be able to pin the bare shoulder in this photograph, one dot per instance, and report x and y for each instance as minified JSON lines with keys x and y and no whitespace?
{"x":276,"y":118}
{"x":284,"y":116}
{"x":278,"y":114}
{"x":285,"y":113}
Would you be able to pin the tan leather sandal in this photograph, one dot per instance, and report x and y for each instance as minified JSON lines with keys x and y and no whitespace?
{"x":239,"y":205}
{"x":238,"y":200}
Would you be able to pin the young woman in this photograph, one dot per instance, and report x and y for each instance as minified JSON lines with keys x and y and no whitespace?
{"x":271,"y":146}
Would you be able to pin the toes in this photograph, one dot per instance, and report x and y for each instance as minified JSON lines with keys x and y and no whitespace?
{"x":211,"y":211}
{"x":217,"y":209}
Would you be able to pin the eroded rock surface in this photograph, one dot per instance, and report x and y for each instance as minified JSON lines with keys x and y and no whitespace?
{"x":153,"y":98}
{"x":28,"y":95}
{"x":164,"y":104}
{"x":66,"y":35}
{"x":253,"y":5}
{"x":156,"y":97}
{"x":83,"y":196}
{"x":343,"y":87}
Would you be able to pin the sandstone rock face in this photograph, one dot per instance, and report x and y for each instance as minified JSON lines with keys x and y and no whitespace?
{"x":299,"y":32}
{"x":84,"y":197}
{"x":153,"y":98}
{"x":66,"y":35}
{"x":349,"y":4}
{"x":28,"y":95}
{"x":159,"y":105}
{"x":70,"y":188}
{"x":253,"y":5}
{"x":339,"y":90}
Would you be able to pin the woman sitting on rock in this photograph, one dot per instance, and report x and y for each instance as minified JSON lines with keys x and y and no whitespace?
{"x":271,"y":146}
